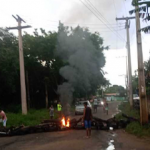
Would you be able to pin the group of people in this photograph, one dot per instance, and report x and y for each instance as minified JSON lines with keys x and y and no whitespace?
{"x":3,"y":117}
{"x":105,"y":105}
{"x":52,"y":110}
{"x":87,"y":115}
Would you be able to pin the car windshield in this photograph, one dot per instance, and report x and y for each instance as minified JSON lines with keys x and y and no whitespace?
{"x":81,"y":103}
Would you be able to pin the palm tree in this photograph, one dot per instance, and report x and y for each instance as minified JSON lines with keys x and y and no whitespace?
{"x":144,"y":5}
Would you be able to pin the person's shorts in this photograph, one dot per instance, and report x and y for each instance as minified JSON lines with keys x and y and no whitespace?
{"x":87,"y":124}
{"x":4,"y":122}
{"x":95,"y":106}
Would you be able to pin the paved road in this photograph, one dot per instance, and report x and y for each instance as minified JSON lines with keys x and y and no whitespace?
{"x":74,"y":139}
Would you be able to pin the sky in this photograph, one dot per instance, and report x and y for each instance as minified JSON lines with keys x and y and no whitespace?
{"x":47,"y":13}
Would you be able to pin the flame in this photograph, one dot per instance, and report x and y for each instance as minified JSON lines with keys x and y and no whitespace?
{"x":68,"y":123}
{"x":65,"y":123}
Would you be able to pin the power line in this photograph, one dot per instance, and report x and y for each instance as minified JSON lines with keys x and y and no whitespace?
{"x":100,"y":14}
{"x":116,"y":32}
{"x":100,"y":19}
{"x":88,"y":24}
{"x":103,"y":29}
{"x":115,"y":7}
{"x":125,"y":7}
{"x":115,"y":28}
{"x":116,"y":23}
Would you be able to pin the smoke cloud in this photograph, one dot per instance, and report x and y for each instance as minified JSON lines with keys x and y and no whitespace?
{"x":83,"y":60}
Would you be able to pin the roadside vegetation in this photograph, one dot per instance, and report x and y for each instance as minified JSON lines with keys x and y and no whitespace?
{"x":134,"y":127}
{"x":34,"y":117}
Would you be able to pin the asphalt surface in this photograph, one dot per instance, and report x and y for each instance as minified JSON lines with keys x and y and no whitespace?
{"x":74,"y":139}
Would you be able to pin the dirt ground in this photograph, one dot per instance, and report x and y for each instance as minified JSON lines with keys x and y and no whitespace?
{"x":74,"y":139}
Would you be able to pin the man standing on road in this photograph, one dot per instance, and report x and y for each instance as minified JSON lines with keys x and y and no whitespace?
{"x":95,"y":103}
{"x":87,"y":117}
{"x":4,"y":118}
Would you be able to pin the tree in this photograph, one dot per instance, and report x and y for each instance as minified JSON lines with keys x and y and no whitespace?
{"x":144,"y":5}
{"x":135,"y":84}
{"x":116,"y":89}
{"x":44,"y":66}
{"x":82,"y":52}
{"x":40,"y":49}
{"x":9,"y":68}
{"x":147,"y":76}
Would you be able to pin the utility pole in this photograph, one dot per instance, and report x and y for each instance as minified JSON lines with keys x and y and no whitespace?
{"x":126,"y":76}
{"x":127,"y":26}
{"x":142,"y":89}
{"x":21,"y":59}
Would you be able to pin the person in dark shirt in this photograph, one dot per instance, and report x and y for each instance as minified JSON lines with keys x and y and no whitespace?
{"x":87,"y":117}
{"x":106,"y":108}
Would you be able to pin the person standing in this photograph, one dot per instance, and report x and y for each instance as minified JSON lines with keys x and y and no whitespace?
{"x":95,"y":103}
{"x":3,"y":117}
{"x":59,"y":109}
{"x":106,"y":107}
{"x":51,"y":112}
{"x":87,"y":118}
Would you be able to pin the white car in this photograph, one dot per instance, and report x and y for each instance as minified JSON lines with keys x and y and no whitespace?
{"x":136,"y":97}
{"x":136,"y":101}
{"x":79,"y":107}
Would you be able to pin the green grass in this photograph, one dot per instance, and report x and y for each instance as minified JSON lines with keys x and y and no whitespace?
{"x":138,"y":130}
{"x":34,"y":117}
{"x":134,"y":127}
{"x":126,"y":109}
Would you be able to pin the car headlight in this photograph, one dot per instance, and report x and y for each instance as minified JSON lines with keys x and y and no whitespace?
{"x":102,"y":103}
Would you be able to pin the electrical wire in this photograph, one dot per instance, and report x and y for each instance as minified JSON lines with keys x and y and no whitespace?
{"x":91,"y":28}
{"x":100,"y":14}
{"x":97,"y":16}
{"x":87,"y":24}
{"x":125,"y":7}
{"x":115,"y":7}
{"x":116,"y":23}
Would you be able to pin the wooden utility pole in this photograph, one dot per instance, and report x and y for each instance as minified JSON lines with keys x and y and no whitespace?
{"x":142,"y":89}
{"x":127,"y":26}
{"x":21,"y":58}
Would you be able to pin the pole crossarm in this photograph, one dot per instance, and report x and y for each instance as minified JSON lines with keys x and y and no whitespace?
{"x":18,"y":28}
{"x":125,"y":18}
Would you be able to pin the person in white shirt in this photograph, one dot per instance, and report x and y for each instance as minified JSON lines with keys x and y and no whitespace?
{"x":95,"y":103}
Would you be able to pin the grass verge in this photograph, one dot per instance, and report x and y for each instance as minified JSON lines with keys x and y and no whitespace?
{"x":134,"y":127}
{"x":34,"y":117}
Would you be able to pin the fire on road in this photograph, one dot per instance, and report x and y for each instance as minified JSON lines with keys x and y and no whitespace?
{"x":74,"y":139}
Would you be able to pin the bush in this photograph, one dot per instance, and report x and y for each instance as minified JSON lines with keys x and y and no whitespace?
{"x":134,"y":127}
{"x":126,"y":109}
{"x":138,"y":130}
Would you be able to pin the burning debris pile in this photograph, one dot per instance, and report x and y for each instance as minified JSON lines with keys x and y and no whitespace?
{"x":65,"y":124}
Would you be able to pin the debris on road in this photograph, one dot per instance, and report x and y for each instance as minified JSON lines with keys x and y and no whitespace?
{"x":56,"y":125}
